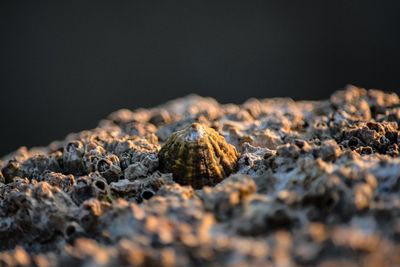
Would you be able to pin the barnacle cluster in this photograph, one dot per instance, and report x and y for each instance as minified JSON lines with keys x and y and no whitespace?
{"x":270,"y":182}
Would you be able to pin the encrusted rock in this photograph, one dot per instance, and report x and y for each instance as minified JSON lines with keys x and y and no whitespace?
{"x":276,"y":183}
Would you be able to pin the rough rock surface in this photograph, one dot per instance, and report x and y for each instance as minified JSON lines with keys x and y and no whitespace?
{"x":318,"y":184}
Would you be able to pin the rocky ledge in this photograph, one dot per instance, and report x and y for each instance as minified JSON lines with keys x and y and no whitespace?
{"x":316,"y":183}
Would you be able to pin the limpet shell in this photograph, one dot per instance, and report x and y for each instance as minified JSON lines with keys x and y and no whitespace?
{"x":198,"y":156}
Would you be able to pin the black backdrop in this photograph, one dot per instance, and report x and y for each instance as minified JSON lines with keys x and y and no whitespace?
{"x":64,"y":66}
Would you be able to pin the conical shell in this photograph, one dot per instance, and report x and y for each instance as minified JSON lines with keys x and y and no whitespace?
{"x":198,"y":156}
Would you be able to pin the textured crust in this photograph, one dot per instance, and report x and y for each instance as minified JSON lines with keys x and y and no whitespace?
{"x":198,"y":156}
{"x":317,"y":184}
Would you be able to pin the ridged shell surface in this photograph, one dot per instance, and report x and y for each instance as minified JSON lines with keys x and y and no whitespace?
{"x":198,"y":156}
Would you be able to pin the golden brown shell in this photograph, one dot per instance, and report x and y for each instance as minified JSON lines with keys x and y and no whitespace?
{"x":198,"y":156}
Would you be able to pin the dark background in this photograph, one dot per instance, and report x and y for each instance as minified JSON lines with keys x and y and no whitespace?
{"x":64,"y":66}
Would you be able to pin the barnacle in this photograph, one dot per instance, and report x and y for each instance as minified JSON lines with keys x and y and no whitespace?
{"x":37,"y":165}
{"x":91,"y":158}
{"x":91,"y":186}
{"x":147,"y":194}
{"x":109,"y":168}
{"x":12,"y":169}
{"x":198,"y":156}
{"x":65,"y":182}
{"x":73,"y":158}
{"x":135,"y":189}
{"x":140,"y":169}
